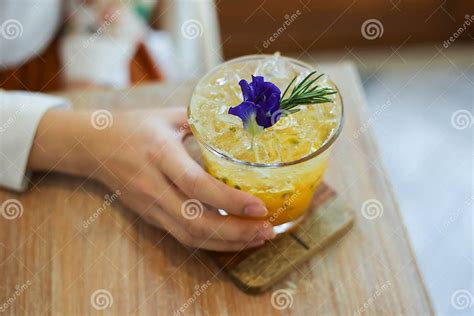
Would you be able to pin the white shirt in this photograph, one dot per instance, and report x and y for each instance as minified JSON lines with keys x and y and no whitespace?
{"x":26,"y":28}
{"x":20,"y":114}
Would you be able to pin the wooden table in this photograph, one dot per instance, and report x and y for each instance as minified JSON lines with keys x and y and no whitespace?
{"x":50,"y":264}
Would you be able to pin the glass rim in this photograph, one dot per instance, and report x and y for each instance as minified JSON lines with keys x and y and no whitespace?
{"x":325,"y":146}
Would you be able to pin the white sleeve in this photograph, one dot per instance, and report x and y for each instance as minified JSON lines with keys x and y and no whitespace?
{"x":20,"y":114}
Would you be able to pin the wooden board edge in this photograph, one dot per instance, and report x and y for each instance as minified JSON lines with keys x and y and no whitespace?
{"x":261,"y":288}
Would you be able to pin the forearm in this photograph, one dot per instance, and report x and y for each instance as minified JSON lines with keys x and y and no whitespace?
{"x":60,"y":144}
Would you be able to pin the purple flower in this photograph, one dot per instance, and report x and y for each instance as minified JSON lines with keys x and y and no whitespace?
{"x":261,"y":103}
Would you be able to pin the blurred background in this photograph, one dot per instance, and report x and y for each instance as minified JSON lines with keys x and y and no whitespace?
{"x":415,"y":59}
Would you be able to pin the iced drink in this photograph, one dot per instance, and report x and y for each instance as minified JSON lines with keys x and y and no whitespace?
{"x":284,"y":164}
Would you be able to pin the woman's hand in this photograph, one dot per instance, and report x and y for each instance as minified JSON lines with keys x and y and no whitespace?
{"x":141,"y":154}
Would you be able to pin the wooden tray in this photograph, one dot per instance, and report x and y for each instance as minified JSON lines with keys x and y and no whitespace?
{"x":256,"y":270}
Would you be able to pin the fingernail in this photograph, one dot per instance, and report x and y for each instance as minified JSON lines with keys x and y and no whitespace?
{"x":255,"y":210}
{"x":266,"y":233}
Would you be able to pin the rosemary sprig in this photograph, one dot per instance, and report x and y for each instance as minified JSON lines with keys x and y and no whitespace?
{"x":305,"y":92}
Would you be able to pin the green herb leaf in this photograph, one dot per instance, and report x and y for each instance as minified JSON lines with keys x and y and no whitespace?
{"x":305,"y":92}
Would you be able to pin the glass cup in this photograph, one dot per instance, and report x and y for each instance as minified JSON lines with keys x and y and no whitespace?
{"x":286,"y":188}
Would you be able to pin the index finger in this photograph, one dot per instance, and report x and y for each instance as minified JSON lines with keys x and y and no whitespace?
{"x":188,"y":175}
